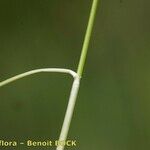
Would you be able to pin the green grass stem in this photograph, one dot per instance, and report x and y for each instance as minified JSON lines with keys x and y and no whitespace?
{"x":87,"y":38}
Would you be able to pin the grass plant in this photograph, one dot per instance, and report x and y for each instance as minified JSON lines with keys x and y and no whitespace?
{"x":76,"y":76}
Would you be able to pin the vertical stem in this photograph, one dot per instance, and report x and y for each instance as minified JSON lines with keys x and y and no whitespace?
{"x":87,"y":38}
{"x":76,"y":83}
{"x":69,"y":112}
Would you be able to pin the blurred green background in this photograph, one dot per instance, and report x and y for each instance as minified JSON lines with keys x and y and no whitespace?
{"x":113,"y":106}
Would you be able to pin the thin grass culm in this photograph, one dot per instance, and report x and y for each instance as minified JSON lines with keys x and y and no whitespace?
{"x":76,"y":76}
{"x":76,"y":84}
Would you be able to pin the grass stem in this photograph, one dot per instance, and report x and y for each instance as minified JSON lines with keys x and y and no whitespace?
{"x":87,"y":38}
{"x":76,"y":76}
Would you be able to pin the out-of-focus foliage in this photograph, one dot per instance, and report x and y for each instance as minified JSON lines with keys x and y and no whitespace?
{"x":113,"y":107}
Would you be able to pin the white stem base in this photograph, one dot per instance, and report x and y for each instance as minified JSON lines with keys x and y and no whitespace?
{"x":69,"y":111}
